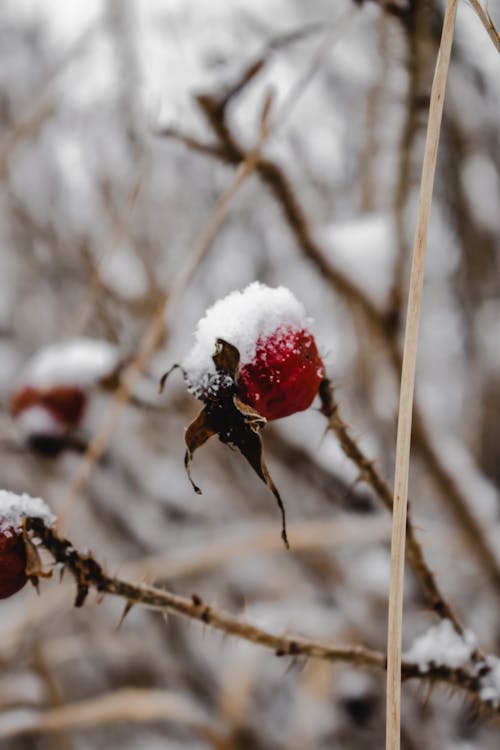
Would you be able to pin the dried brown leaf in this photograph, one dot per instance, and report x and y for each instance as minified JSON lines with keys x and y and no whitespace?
{"x":198,"y":432}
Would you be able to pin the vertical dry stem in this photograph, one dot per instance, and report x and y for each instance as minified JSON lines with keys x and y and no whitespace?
{"x":395,"y":619}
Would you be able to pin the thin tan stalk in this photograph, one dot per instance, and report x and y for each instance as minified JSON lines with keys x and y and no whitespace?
{"x":400,"y":500}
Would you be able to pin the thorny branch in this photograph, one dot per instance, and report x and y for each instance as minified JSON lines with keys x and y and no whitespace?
{"x":379,"y":324}
{"x":89,"y":574}
{"x":370,"y":474}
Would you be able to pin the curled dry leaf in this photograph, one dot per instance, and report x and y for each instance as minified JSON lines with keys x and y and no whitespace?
{"x":236,"y":424}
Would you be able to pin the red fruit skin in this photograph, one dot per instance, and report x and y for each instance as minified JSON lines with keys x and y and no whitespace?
{"x":284,"y":376}
{"x":12,"y":563}
{"x":66,"y":403}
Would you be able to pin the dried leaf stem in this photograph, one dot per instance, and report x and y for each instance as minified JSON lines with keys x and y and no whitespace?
{"x":400,"y":499}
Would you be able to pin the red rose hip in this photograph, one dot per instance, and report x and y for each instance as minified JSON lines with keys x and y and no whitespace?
{"x":253,"y":359}
{"x":284,"y":374}
{"x":12,"y":562}
{"x":52,"y":394}
{"x":14,"y":509}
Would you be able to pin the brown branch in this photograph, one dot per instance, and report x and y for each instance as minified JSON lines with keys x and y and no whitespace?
{"x":89,"y":574}
{"x":419,"y":73}
{"x":191,"y":142}
{"x":414,"y":553}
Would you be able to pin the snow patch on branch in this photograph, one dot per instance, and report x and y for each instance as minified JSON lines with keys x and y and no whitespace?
{"x":490,"y":683}
{"x":441,"y":645}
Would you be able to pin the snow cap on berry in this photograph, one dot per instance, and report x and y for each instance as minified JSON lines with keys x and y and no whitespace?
{"x":14,"y":508}
{"x":242,"y":318}
{"x":79,"y":362}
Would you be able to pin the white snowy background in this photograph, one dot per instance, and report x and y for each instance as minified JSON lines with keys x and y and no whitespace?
{"x":98,"y":212}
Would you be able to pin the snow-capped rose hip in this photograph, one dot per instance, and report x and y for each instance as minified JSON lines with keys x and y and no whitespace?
{"x":277,"y":352}
{"x":254,"y":359}
{"x":50,"y":401}
{"x":13,"y":556}
{"x":284,"y":375}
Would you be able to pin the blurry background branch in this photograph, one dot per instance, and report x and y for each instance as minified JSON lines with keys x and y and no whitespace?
{"x":487,"y":21}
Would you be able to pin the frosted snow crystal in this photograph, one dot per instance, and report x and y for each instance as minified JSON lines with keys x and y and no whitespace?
{"x":490,"y":683}
{"x":441,"y":644}
{"x":241,"y":319}
{"x":79,"y":361}
{"x":13,"y":508}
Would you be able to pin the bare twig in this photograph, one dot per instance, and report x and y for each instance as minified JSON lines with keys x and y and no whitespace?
{"x":89,"y":574}
{"x":399,"y":511}
{"x":370,"y":474}
{"x":419,"y":81}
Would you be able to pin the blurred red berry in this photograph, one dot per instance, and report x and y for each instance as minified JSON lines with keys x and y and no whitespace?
{"x":12,"y":562}
{"x":284,"y":375}
{"x":64,"y":402}
{"x":56,"y":397}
